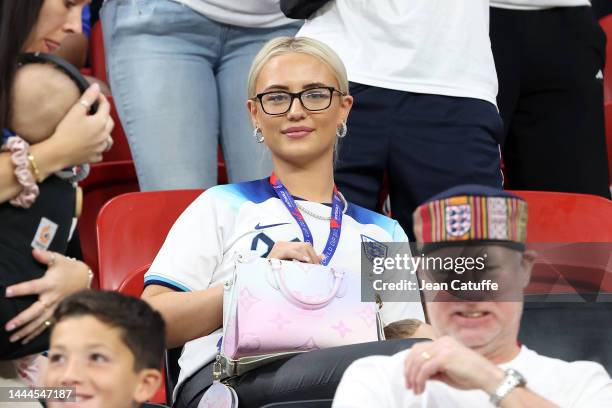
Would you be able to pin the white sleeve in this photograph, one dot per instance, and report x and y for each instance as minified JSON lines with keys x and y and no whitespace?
{"x":364,"y":385}
{"x":398,"y":233}
{"x":193,"y":248}
{"x":394,"y":311}
{"x":596,"y":390}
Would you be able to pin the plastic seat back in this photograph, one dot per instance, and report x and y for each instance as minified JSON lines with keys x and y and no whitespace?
{"x":96,"y":52}
{"x":567,"y":217}
{"x":131,"y":229}
{"x":105,"y":181}
{"x":573,"y":233}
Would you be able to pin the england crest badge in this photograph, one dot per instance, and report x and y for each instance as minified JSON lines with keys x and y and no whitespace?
{"x":458,"y":220}
{"x":373,"y":248}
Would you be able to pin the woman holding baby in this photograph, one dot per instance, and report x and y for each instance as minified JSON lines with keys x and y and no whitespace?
{"x":81,"y":137}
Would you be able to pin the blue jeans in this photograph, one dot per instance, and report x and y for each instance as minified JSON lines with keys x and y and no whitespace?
{"x":179,"y":82}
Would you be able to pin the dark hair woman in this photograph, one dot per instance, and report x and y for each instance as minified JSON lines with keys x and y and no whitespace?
{"x":81,"y":137}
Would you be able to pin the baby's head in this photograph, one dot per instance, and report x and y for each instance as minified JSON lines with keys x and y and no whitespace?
{"x":409,"y":329}
{"x":109,"y":347}
{"x":42,"y":94}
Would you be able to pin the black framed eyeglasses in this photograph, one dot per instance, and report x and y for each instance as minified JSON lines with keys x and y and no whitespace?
{"x":313,"y":99}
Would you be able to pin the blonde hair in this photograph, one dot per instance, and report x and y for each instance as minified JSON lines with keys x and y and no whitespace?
{"x":285,"y":45}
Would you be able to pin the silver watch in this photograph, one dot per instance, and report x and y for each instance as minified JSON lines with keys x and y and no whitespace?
{"x":512,"y":380}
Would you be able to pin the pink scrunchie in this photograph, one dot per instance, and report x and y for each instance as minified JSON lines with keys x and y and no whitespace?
{"x":20,"y":149}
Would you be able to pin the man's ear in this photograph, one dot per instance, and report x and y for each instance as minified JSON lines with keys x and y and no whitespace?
{"x":528,"y":258}
{"x":149,"y":380}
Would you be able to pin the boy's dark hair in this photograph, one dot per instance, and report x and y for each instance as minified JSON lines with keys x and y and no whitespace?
{"x":142,"y":328}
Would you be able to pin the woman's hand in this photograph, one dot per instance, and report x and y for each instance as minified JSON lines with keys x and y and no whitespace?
{"x":297,"y":251}
{"x":63,"y":277}
{"x":82,"y":138}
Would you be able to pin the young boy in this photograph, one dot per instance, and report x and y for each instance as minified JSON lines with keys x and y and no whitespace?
{"x":109,"y":347}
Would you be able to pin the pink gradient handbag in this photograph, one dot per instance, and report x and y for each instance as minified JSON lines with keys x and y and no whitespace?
{"x":274,"y":308}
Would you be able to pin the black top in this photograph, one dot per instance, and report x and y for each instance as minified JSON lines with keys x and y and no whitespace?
{"x":18,"y":229}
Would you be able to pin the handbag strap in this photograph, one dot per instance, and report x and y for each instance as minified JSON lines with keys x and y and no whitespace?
{"x":301,"y":301}
{"x":230,"y":368}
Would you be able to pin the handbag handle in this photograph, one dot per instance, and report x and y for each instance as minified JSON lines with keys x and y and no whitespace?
{"x":300,"y":301}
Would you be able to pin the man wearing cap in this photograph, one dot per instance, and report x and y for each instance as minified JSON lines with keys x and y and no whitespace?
{"x":476,"y":361}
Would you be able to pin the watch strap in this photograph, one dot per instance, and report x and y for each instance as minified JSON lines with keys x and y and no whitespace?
{"x":512,"y":380}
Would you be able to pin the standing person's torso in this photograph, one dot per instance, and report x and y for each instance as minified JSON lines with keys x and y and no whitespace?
{"x":425,"y":46}
{"x":537,"y":4}
{"x":243,"y":13}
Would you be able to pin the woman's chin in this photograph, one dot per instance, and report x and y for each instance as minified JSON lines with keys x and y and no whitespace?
{"x":299,"y":153}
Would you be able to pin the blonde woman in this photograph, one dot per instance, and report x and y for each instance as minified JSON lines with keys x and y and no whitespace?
{"x":298,"y":104}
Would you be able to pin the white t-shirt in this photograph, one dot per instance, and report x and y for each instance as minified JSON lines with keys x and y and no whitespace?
{"x":437,"y":47}
{"x":378,"y":381}
{"x":537,"y":4}
{"x":243,"y":13}
{"x":228,"y":219}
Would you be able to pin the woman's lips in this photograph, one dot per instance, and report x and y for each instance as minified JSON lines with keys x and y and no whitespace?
{"x":297,"y":132}
{"x":51,"y":45}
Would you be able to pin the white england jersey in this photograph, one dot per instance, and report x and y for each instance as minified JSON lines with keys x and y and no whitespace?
{"x":200,"y":248}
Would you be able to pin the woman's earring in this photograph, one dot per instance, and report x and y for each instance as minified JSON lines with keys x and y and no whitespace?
{"x":341,"y":130}
{"x":259,"y":137}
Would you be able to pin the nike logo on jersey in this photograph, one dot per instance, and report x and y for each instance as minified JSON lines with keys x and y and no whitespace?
{"x":260,"y":227}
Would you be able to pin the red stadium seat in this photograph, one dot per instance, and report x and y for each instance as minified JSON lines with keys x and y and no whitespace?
{"x":96,"y":53}
{"x":131,"y":229}
{"x":570,"y":224}
{"x":567,"y":217}
{"x":120,"y":150}
{"x":105,"y":181}
{"x":606,"y":24}
{"x":133,"y":285}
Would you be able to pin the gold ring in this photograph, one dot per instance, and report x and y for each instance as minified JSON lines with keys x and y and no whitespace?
{"x":109,"y":144}
{"x":85,"y":104}
{"x":47,"y":323}
{"x":426,"y":356}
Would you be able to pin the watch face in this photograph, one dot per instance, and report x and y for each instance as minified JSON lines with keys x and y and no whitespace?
{"x":518,"y":376}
